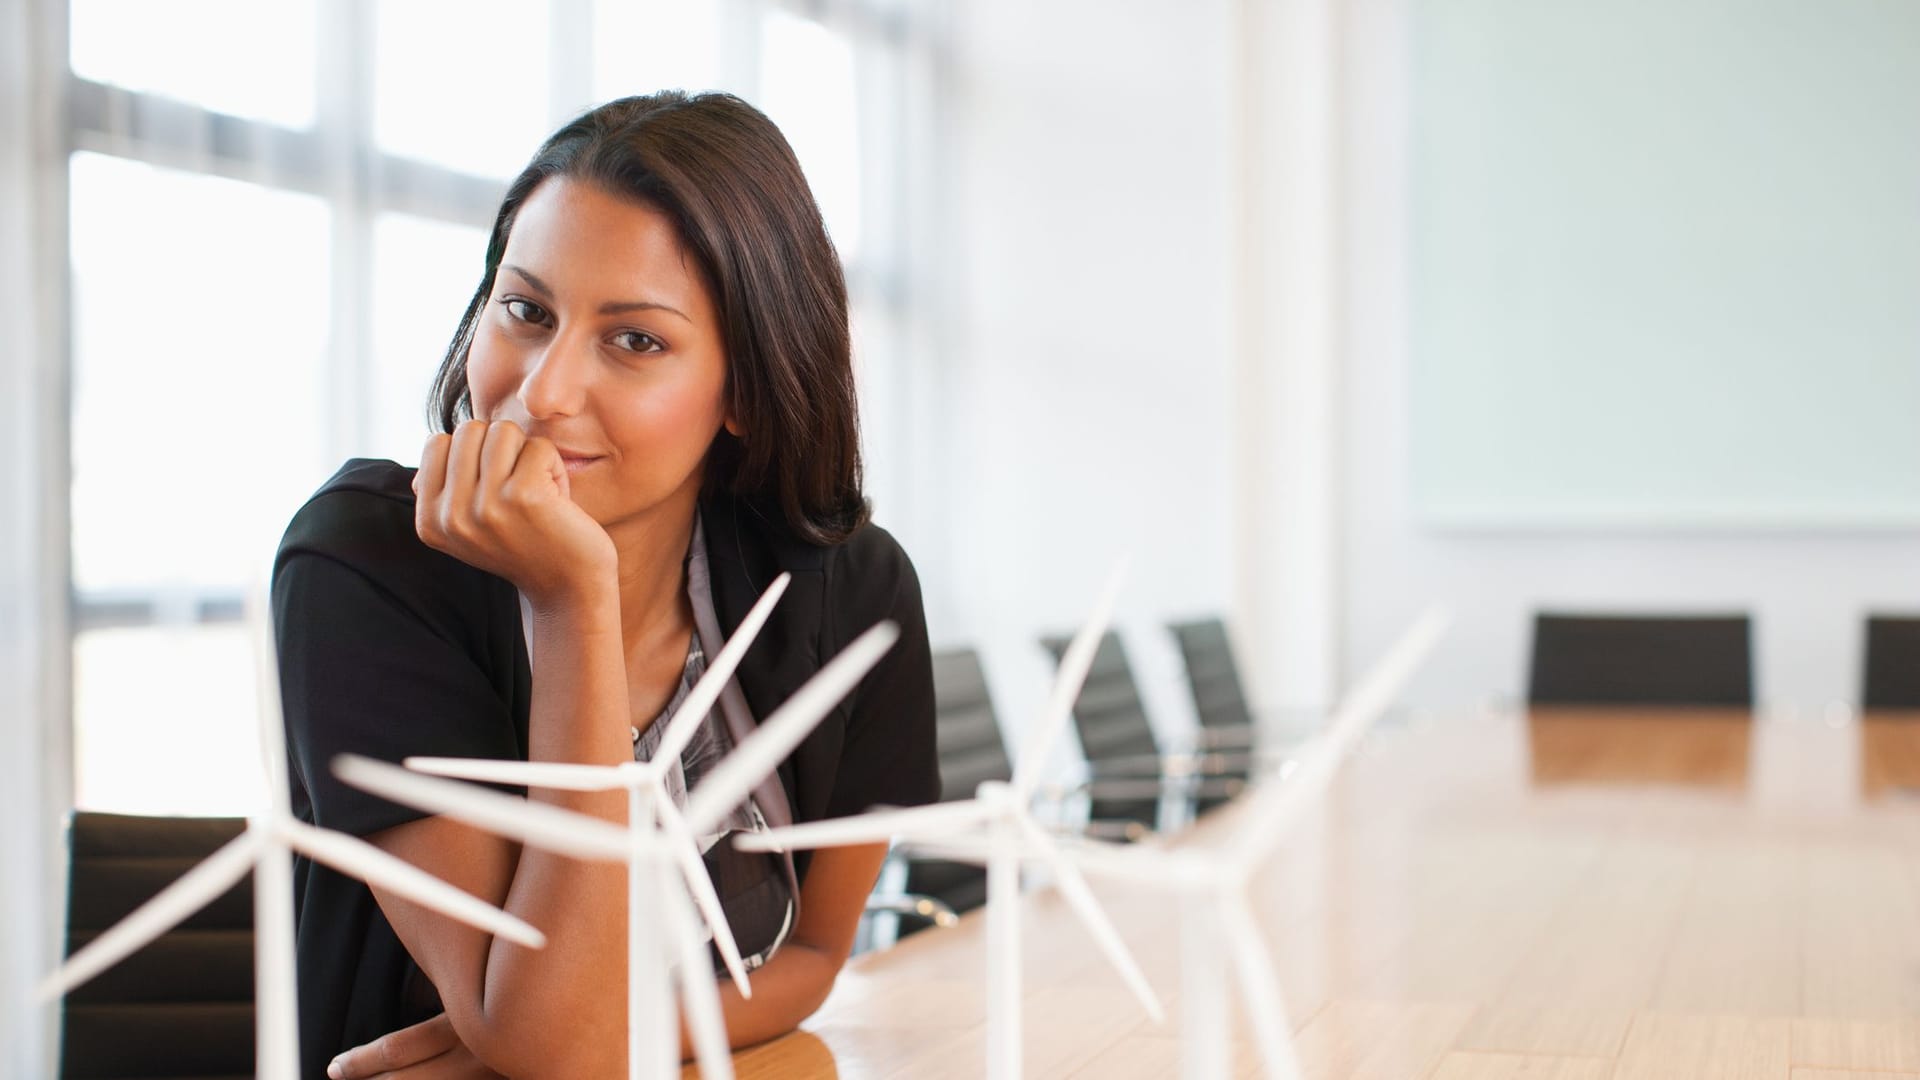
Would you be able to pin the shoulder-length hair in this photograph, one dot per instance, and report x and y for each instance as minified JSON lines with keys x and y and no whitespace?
{"x":724,"y":175}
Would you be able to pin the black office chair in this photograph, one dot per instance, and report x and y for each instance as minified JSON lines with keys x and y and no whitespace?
{"x":971,"y":752}
{"x":182,"y":1006}
{"x":1128,"y":769}
{"x":923,"y":892}
{"x":1641,"y":660}
{"x":1219,"y":700}
{"x":1892,"y":679}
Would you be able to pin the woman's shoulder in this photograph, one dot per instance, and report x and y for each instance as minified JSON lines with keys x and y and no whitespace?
{"x":359,"y":512}
{"x":872,"y":569}
{"x":867,"y":576}
{"x":363,"y":518}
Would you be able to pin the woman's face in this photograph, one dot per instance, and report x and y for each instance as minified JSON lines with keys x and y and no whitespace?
{"x":600,"y":336}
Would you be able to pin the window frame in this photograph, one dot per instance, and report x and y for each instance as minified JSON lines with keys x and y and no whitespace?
{"x":338,"y":159}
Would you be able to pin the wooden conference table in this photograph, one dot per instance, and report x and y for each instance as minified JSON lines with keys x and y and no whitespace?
{"x":1563,"y":896}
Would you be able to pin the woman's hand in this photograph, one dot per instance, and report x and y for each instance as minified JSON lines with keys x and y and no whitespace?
{"x":428,"y":1050}
{"x":497,"y":500}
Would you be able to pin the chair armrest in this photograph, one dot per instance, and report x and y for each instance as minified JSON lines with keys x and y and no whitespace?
{"x":923,"y":907}
{"x":1101,"y":829}
{"x":1145,"y":787}
{"x":1173,"y":765}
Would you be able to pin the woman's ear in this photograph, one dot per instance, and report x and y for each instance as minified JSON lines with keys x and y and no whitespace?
{"x":732,"y":424}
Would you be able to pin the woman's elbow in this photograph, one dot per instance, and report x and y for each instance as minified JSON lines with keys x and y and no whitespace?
{"x":532,"y":1044}
{"x":823,"y":970}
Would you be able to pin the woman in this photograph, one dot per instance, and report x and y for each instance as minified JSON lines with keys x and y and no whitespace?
{"x":656,"y":366}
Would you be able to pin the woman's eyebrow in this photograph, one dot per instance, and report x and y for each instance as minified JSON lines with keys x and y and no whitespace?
{"x":612,"y":307}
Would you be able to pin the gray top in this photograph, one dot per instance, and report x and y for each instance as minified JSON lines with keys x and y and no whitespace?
{"x":752,"y":887}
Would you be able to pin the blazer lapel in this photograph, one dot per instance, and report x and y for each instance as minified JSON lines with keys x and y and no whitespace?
{"x":746,"y":550}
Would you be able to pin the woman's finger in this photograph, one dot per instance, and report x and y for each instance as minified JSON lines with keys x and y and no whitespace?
{"x":428,"y":480}
{"x":396,"y":1051}
{"x":453,"y":1065}
{"x":463,"y":471}
{"x":540,"y":460}
{"x":502,"y":449}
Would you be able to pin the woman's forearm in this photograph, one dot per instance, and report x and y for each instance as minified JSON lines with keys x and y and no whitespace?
{"x":561,"y":1010}
{"x":792,"y":985}
{"x":786,"y":990}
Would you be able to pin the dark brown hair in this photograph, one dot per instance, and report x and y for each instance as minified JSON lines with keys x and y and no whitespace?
{"x":722,"y":172}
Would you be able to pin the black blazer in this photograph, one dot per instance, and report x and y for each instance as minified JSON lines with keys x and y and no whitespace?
{"x":389,"y":648}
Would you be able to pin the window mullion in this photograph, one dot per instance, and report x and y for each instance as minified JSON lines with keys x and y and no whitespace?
{"x":344,"y":64}
{"x":740,"y":30}
{"x":142,"y":127}
{"x":569,"y":82}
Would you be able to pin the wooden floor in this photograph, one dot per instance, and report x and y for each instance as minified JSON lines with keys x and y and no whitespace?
{"x":1564,"y":896}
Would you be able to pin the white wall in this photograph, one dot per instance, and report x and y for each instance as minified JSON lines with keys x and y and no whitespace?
{"x":1087,"y":405}
{"x":1108,"y":161}
{"x":1684,"y":299}
{"x":1807,"y":589}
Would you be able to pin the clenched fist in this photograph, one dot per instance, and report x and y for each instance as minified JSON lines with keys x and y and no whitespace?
{"x":495,"y":499}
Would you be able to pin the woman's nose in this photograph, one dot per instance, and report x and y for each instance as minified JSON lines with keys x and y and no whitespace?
{"x":556,"y":384}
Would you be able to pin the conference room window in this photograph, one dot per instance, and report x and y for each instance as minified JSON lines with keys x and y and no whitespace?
{"x":274,"y":229}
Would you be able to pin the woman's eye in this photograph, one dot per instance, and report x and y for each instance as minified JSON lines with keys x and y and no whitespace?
{"x":638,"y":341}
{"x":524,"y":310}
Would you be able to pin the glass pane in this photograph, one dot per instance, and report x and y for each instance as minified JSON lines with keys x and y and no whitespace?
{"x":164,"y":721}
{"x":807,"y":87}
{"x":640,"y":48}
{"x":424,"y":272}
{"x":198,"y":378}
{"x":461,"y":83}
{"x":239,"y":57}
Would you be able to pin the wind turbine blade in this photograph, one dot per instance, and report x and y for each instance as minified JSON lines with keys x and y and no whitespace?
{"x":1265,"y":1006}
{"x":1074,"y":888}
{"x":1277,"y":803}
{"x":760,"y":753}
{"x":700,"y":994}
{"x":355,"y":857}
{"x":194,"y":890}
{"x":1067,"y":681}
{"x":270,"y":708}
{"x":878,"y":827}
{"x":979,"y":846}
{"x":686,"y":719}
{"x":549,"y":827}
{"x":973,"y":848}
{"x":554,"y":775}
{"x":686,"y":852}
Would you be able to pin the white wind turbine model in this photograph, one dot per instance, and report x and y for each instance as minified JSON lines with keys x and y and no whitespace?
{"x":1211,"y":878}
{"x":646,"y":781}
{"x":266,"y":848}
{"x":658,"y":839}
{"x":999,"y":817}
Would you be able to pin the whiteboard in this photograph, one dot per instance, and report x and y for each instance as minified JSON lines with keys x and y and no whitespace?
{"x":1665,"y":263}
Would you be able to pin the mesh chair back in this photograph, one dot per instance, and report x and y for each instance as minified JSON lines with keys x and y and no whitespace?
{"x":1892,"y":678}
{"x":1112,"y":722}
{"x":1218,"y":698}
{"x":1641,"y":660}
{"x":1109,"y":715}
{"x":182,"y":1006}
{"x":970,"y":746}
